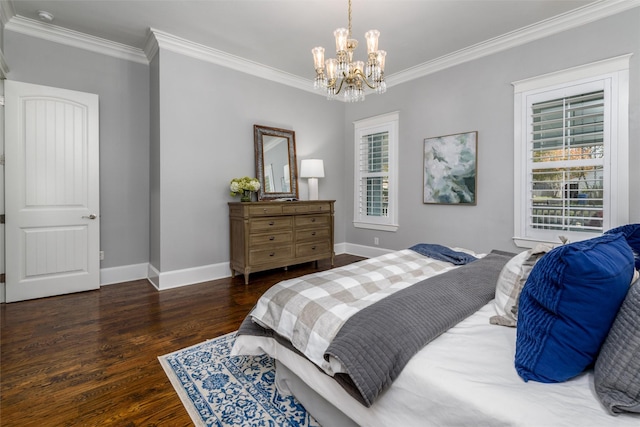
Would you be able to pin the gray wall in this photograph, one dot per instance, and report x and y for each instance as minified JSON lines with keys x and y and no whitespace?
{"x":478,"y":95}
{"x":174,"y":133}
{"x":123,"y":88}
{"x":206,"y":118}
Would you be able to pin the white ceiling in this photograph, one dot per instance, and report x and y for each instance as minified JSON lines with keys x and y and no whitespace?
{"x":281,"y":33}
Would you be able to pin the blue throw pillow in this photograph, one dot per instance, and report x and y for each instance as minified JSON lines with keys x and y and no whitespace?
{"x":631,"y":232}
{"x":568,"y":305}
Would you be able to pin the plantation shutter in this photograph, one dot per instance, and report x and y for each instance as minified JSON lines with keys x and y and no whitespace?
{"x":374,"y":174}
{"x":566,"y":163}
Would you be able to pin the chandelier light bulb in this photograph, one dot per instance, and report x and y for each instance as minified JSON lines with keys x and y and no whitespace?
{"x":372,"y":40}
{"x":318,"y":57}
{"x":341,"y":35}
{"x":381,"y":57}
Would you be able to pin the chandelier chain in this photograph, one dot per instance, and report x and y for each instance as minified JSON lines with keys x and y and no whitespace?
{"x":350,"y":19}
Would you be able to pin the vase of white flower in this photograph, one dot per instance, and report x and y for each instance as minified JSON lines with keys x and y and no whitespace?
{"x":246,"y":196}
{"x":244,"y":187}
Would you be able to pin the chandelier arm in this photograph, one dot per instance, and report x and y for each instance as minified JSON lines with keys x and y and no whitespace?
{"x":364,"y":79}
{"x":341,"y":83}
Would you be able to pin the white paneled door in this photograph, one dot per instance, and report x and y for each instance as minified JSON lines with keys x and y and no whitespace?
{"x":52,"y":191}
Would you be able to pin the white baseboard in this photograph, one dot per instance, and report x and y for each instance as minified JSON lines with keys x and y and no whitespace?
{"x":187,"y":276}
{"x":190,"y":276}
{"x":125,"y":273}
{"x":365,"y":251}
{"x":340,"y":248}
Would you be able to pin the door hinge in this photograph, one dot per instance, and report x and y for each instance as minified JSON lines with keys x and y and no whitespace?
{"x":1,"y":159}
{"x":2,"y":219}
{"x":2,"y":100}
{"x":2,"y":278}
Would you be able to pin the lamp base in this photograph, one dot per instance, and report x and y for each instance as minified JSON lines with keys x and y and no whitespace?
{"x":313,"y":188}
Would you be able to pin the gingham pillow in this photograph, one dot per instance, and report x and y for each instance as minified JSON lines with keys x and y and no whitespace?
{"x":510,"y":282}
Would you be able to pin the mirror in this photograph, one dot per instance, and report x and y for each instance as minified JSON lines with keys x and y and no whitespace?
{"x":275,"y":152}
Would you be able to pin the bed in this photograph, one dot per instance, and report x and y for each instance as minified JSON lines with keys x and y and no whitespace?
{"x":464,"y":373}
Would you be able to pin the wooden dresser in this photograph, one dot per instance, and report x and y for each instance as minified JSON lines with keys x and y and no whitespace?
{"x":266,"y":235}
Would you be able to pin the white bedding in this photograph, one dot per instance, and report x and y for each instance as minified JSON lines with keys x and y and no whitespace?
{"x":466,"y":377}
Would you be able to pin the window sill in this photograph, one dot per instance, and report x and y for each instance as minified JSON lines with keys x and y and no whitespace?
{"x":529,"y":242}
{"x":381,"y":227}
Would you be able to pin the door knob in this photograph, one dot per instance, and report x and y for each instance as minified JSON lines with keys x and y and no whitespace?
{"x":92,"y":216}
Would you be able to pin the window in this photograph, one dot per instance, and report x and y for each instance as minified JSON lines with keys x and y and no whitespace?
{"x":571,"y":135}
{"x":376,"y":147}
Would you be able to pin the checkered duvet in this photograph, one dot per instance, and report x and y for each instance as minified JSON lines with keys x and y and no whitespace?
{"x":310,"y":310}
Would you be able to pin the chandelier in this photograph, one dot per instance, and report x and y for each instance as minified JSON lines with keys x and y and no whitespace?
{"x":343,"y":74}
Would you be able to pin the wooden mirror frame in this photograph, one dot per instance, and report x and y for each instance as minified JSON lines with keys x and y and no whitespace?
{"x":259,"y":132}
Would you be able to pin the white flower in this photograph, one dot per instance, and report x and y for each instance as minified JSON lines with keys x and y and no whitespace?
{"x":239,"y":185}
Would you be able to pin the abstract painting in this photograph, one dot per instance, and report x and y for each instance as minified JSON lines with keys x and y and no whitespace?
{"x":450,"y":169}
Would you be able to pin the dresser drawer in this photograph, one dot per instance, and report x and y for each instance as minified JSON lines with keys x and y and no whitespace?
{"x":265,"y":209}
{"x":320,"y":207}
{"x":295,"y":209}
{"x":313,"y":234}
{"x":258,"y":225}
{"x":313,"y":249}
{"x":306,"y":208}
{"x":275,"y":238}
{"x":312,"y":221}
{"x":277,"y":254}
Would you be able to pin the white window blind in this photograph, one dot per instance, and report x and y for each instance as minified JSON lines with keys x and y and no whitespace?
{"x":571,"y":169}
{"x":567,"y":163}
{"x":374,"y":173}
{"x":375,"y":185}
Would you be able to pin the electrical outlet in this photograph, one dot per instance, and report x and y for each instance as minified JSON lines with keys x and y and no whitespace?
{"x":101,"y":255}
{"x":376,"y":241}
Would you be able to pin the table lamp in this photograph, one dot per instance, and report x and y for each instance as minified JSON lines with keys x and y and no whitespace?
{"x":312,"y":169}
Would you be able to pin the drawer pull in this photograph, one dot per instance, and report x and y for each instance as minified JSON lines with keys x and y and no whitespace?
{"x":313,"y":248}
{"x":313,"y":233}
{"x":265,"y":210}
{"x":271,"y":222}
{"x":272,"y":238}
{"x":313,"y":220}
{"x":272,"y":254}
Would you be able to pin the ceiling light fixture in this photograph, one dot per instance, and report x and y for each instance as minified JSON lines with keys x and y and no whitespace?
{"x":45,"y":16}
{"x":343,"y":74}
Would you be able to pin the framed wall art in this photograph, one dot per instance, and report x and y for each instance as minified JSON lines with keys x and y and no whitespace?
{"x":450,"y":169}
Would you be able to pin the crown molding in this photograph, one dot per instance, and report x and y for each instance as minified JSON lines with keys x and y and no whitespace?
{"x":159,"y":39}
{"x":61,"y":35}
{"x":185,"y":47}
{"x":575,"y":18}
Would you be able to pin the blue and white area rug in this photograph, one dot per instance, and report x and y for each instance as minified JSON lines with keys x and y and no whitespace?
{"x":220,"y":390}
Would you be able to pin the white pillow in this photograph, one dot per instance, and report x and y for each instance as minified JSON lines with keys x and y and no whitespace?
{"x":510,"y":282}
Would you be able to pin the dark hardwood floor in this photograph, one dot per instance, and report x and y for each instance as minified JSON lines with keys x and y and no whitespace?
{"x":90,"y":359}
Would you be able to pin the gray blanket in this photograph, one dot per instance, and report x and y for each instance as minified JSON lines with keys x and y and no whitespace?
{"x":376,"y":343}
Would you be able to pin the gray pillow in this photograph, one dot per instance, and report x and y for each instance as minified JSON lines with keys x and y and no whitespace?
{"x":617,"y":368}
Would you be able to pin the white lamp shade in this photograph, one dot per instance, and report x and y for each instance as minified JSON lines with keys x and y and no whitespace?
{"x":312,"y":168}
